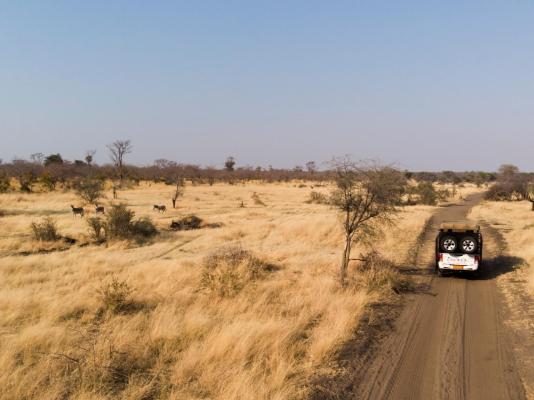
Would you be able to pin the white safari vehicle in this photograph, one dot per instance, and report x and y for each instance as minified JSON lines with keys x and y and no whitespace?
{"x":458,"y":247}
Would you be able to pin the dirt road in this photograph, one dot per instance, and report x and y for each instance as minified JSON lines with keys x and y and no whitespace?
{"x":449,"y":340}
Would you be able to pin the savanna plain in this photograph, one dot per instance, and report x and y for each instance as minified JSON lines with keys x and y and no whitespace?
{"x":247,"y":306}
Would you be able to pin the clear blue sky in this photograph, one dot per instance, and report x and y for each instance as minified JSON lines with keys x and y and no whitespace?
{"x":427,"y":85}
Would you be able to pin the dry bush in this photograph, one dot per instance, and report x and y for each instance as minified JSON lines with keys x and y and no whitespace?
{"x":187,"y":223}
{"x":46,"y":230}
{"x":228,"y":270}
{"x":144,"y":228}
{"x":257,"y":200}
{"x":97,"y":228}
{"x":89,"y":190}
{"x":507,"y":191}
{"x":376,"y":273}
{"x":120,"y":224}
{"x":317,"y":198}
{"x":93,"y":366}
{"x":115,"y":295}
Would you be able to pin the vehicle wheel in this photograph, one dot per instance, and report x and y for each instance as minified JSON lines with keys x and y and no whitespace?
{"x":448,"y":243}
{"x":468,"y":244}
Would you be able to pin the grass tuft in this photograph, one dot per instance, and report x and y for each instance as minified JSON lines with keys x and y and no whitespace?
{"x":228,"y":270}
{"x":45,"y":231}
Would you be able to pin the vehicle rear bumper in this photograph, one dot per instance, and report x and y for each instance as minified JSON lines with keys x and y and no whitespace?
{"x":450,"y":267}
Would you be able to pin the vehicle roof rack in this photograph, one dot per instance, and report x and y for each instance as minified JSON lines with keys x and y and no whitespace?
{"x":459,"y":227}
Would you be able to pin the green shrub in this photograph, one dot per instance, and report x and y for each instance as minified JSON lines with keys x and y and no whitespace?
{"x":228,"y":270}
{"x":45,"y":231}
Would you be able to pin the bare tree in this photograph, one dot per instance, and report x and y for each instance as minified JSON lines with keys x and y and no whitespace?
{"x":311,"y":166}
{"x":367,"y":195}
{"x":37,"y":158}
{"x":507,"y":171}
{"x":117,"y":150}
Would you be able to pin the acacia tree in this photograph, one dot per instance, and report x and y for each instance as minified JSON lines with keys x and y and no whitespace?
{"x":117,"y":150}
{"x":89,"y":156}
{"x":367,"y":195}
{"x":229,"y":164}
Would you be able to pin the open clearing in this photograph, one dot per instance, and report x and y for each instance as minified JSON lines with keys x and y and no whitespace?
{"x":178,"y":341}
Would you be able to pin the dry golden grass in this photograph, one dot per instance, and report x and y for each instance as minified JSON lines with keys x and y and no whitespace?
{"x":174,"y":339}
{"x":458,"y":192}
{"x":515,"y":221}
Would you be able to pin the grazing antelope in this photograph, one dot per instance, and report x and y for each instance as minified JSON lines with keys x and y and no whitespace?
{"x":77,"y":211}
{"x":99,"y":210}
{"x":161,"y":208}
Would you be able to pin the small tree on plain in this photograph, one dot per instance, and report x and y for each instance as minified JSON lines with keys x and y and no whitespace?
{"x":507,"y":172}
{"x":367,"y":195}
{"x":311,"y":167}
{"x":229,"y":164}
{"x":37,"y":158}
{"x":89,"y":156}
{"x":117,"y":151}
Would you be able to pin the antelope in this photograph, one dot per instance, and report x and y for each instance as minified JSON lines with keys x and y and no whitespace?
{"x":161,"y":208}
{"x":99,"y":210}
{"x":77,"y":211}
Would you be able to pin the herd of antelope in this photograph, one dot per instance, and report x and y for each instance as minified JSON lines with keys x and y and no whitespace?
{"x":101,"y":210}
{"x":81,"y":211}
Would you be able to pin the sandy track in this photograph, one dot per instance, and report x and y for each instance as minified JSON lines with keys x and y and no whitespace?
{"x":449,"y":341}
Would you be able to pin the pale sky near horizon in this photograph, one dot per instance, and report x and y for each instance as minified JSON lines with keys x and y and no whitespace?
{"x":426,"y":85}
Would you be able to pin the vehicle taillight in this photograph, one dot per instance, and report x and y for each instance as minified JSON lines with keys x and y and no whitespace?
{"x":440,"y":256}
{"x":477,"y":259}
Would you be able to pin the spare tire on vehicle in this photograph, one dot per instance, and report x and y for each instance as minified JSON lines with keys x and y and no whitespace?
{"x":469,"y":244}
{"x":448,"y":243}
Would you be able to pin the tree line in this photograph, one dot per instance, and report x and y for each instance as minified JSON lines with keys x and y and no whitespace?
{"x":51,"y":171}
